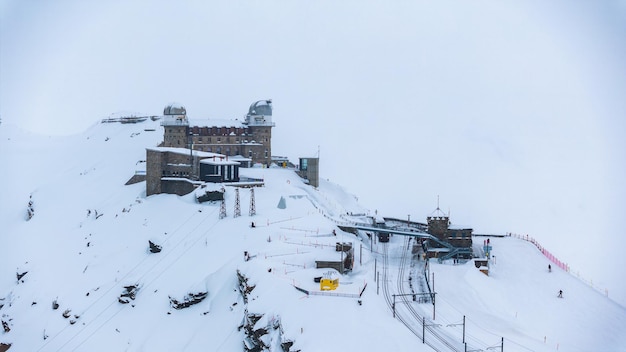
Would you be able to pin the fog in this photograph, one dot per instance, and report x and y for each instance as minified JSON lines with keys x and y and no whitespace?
{"x":512,"y":114}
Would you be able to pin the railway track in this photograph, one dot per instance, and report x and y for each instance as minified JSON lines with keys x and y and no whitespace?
{"x":404,"y":309}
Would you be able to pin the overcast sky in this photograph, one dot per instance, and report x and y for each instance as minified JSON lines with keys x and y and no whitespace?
{"x":513,"y":113}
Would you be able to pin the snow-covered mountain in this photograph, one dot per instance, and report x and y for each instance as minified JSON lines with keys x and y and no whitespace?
{"x":75,"y":249}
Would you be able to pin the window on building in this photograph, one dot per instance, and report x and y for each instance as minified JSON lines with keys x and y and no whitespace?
{"x":266,"y":153}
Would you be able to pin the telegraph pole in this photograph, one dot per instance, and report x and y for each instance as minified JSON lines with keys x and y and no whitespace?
{"x":237,"y":205}
{"x":252,"y":206}
{"x":424,"y":329}
{"x":378,"y":283}
{"x":434,"y":296}
{"x":463,"y":328}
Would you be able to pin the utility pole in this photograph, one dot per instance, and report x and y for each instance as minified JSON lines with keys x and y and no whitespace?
{"x":496,"y":346}
{"x":378,"y":284}
{"x":237,"y":205}
{"x":434,"y":296}
{"x":223,"y":209}
{"x":434,"y":293}
{"x":252,"y":206}
{"x":424,"y":329}
{"x":463,"y":328}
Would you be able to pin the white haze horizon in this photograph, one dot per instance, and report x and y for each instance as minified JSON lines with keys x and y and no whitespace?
{"x":512,"y":114}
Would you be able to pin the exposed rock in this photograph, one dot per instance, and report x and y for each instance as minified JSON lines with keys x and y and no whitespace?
{"x":30,"y":210}
{"x":188,"y":301}
{"x":259,"y":338}
{"x":20,"y":276}
{"x":129,"y":294}
{"x":154,"y":248}
{"x":244,"y":287}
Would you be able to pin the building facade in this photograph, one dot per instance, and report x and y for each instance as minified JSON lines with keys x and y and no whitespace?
{"x":309,"y":169}
{"x":439,"y":226}
{"x":180,"y":171}
{"x":248,"y":139}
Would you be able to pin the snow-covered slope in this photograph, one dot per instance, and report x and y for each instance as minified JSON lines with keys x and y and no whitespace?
{"x":88,"y":239}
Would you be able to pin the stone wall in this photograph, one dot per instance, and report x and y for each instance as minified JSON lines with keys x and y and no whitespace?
{"x":180,"y":186}
{"x":154,"y":170}
{"x":166,"y":164}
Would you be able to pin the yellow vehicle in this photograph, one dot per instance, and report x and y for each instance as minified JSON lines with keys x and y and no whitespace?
{"x":329,"y":284}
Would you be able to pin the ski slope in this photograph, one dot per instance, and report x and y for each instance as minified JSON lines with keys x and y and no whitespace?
{"x":89,"y":237}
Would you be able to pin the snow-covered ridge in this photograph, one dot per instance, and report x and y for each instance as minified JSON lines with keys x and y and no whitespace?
{"x":89,"y":237}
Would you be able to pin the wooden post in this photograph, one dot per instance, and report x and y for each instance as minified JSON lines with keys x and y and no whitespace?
{"x":375,"y":269}
{"x":464,"y":331}
{"x":423,"y":329}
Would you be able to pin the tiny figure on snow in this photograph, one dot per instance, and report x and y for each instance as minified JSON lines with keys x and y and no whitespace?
{"x":334,"y":233}
{"x":549,"y":268}
{"x":252,"y":225}
{"x":560,"y":293}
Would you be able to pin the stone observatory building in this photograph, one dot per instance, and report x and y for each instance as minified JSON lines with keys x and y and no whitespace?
{"x":248,"y":141}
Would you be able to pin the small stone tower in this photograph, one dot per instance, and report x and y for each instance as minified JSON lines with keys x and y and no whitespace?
{"x":259,"y":122}
{"x":176,"y":126}
{"x":438,"y":223}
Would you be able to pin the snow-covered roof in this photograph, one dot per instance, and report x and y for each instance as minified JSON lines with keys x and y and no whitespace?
{"x":261,"y":107}
{"x":215,"y":123}
{"x":185,"y":151}
{"x":174,"y":109}
{"x":219,"y":161}
{"x":240,"y":158}
{"x":458,"y":227}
